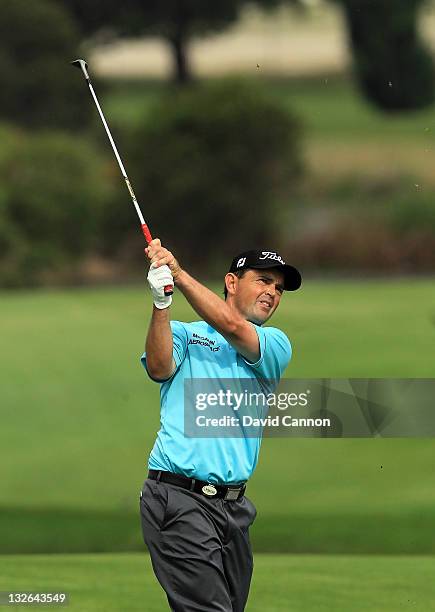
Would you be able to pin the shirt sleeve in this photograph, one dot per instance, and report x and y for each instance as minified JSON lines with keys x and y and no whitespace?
{"x":275,"y":353}
{"x":179,"y":338}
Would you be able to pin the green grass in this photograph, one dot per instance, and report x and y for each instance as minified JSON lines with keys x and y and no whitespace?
{"x":79,"y":418}
{"x":333,"y":107}
{"x":301,"y":583}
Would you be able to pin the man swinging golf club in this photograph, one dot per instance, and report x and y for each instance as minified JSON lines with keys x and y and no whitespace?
{"x":194,"y":513}
{"x":195,"y":516}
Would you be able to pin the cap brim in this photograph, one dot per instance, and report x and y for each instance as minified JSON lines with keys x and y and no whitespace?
{"x":292,"y":276}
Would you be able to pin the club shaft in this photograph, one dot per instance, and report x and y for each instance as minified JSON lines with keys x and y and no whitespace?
{"x":118,"y":158}
{"x":79,"y":63}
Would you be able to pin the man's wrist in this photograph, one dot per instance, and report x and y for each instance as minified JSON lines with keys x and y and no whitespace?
{"x":162,"y":302}
{"x":179,"y":277}
{"x":160,"y":312}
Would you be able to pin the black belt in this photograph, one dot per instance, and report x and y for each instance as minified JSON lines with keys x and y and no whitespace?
{"x":228,"y":492}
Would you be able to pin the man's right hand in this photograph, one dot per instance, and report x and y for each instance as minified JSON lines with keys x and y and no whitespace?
{"x":159,"y":278}
{"x":157,"y":254}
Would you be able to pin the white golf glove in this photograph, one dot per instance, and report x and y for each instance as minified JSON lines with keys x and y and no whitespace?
{"x":158,"y":278}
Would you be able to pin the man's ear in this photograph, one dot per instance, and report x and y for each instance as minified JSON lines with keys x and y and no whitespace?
{"x":231,"y":283}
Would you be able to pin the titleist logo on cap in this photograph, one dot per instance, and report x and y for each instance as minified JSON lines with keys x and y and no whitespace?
{"x":272,"y":255}
{"x":260,"y":260}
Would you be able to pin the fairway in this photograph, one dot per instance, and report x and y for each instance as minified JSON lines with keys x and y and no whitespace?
{"x":297,"y":583}
{"x":80,"y":417}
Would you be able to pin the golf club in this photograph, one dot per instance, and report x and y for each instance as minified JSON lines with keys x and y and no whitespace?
{"x":82,"y":65}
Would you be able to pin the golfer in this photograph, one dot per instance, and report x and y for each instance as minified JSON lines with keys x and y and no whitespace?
{"x":194,"y":512}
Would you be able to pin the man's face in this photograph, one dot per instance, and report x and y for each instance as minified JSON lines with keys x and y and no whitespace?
{"x":258,"y":294}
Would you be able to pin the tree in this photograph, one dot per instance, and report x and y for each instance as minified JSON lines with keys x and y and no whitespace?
{"x":393,"y":68}
{"x":391,"y":63}
{"x":37,"y":39}
{"x":176,"y":20}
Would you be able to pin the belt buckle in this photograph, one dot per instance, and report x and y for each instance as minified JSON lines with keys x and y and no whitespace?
{"x":232,"y":494}
{"x":209,"y":490}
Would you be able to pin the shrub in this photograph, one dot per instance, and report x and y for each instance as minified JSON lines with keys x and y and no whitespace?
{"x":53,"y":192}
{"x":361,"y":223}
{"x":212,"y":164}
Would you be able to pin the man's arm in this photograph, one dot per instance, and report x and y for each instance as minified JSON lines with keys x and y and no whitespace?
{"x":216,"y":312}
{"x":210,"y":307}
{"x":159,"y":345}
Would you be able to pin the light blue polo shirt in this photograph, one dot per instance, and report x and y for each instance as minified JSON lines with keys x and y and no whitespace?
{"x":200,"y":351}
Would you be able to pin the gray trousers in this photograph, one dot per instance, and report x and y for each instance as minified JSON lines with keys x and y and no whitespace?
{"x":199,"y":547}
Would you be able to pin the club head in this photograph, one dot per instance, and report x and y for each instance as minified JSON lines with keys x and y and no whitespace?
{"x":82,"y":65}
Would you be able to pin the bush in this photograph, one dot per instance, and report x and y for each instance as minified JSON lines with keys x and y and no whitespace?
{"x":399,"y":202}
{"x":39,"y":88}
{"x":212,"y":165}
{"x":362,"y":223}
{"x":53,"y":192}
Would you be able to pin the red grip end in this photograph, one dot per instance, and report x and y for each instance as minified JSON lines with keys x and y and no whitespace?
{"x":146,"y":233}
{"x":169,"y":290}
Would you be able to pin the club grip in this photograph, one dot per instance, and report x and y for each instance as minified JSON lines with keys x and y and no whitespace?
{"x":169,"y":289}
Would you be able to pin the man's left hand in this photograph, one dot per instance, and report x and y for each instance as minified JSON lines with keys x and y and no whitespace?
{"x":158,"y":279}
